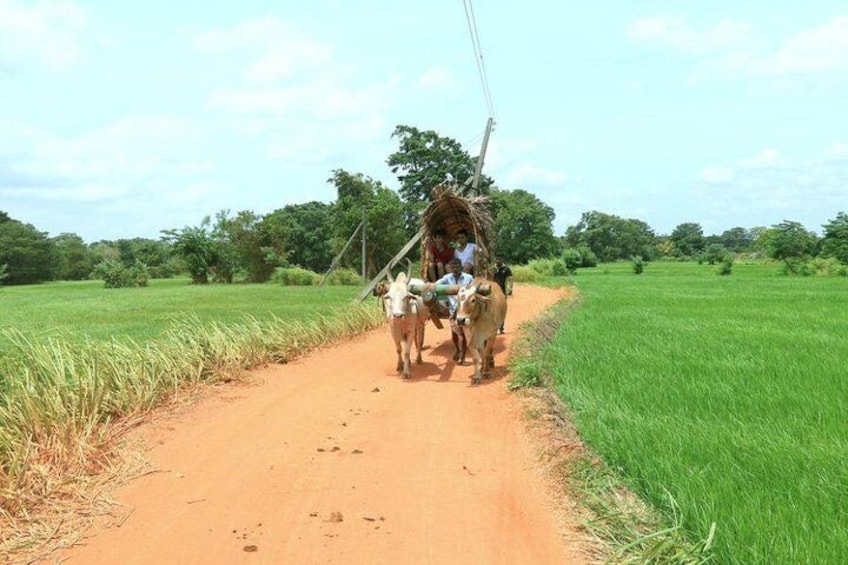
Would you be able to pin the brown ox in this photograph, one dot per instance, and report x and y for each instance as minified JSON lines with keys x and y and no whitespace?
{"x":480,"y":317}
{"x":407,"y":315}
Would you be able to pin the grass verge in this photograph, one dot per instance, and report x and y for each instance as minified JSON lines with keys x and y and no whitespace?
{"x":630,"y":530}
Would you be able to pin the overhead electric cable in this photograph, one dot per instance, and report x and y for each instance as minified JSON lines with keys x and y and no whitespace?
{"x":478,"y":54}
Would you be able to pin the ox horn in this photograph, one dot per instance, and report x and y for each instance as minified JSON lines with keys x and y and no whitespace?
{"x":408,"y":269}
{"x":389,"y":276}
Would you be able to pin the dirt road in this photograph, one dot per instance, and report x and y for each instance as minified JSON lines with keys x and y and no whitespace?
{"x":334,"y":458}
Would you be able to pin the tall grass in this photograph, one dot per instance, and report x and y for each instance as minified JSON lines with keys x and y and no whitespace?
{"x":62,"y":393}
{"x":722,"y":399}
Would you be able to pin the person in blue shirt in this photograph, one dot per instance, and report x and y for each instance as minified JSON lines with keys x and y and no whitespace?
{"x":455,"y":277}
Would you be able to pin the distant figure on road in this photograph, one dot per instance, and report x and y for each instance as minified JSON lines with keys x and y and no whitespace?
{"x":502,"y":276}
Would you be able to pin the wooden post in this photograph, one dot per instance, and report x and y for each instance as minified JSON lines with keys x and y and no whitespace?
{"x":370,"y":286}
{"x":475,"y":184}
{"x":336,"y":259}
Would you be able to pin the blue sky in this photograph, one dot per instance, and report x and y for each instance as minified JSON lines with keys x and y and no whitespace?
{"x":121,"y":119}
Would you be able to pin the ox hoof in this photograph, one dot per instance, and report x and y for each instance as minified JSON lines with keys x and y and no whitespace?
{"x":475,"y":380}
{"x":456,"y":356}
{"x":419,"y":361}
{"x":407,"y":376}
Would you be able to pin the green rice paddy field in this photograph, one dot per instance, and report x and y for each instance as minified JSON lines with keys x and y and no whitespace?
{"x":723,"y":399}
{"x":86,"y":309}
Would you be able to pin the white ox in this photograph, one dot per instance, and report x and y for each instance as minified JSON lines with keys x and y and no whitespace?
{"x":480,"y":317}
{"x":407,"y":315}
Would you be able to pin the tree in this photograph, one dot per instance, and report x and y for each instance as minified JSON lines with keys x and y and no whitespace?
{"x":28,"y":254}
{"x":610,"y":237}
{"x":789,"y":242}
{"x":835,"y":241}
{"x":425,"y":159}
{"x":384,"y":217}
{"x":247,"y":243}
{"x":197,"y":248}
{"x":523,"y":226}
{"x":688,"y":239}
{"x":736,"y":239}
{"x":74,"y":259}
{"x":298,"y":235}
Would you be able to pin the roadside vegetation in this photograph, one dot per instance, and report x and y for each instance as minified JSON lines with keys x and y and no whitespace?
{"x":718,"y":400}
{"x":100,"y":362}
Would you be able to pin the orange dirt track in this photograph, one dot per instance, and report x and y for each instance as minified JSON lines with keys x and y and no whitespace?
{"x":334,"y":458}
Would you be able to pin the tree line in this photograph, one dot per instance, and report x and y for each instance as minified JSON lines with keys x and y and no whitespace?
{"x":249,"y":246}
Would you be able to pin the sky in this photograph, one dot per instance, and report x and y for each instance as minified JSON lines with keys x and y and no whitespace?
{"x":123,"y":119}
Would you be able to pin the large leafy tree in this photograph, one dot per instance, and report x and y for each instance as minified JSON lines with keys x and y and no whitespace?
{"x":736,"y":239}
{"x":383,"y":211}
{"x":74,"y":259}
{"x":243,"y":240}
{"x":298,"y":234}
{"x":611,"y":237}
{"x":789,"y":242}
{"x":423,"y":160}
{"x":835,"y":241}
{"x":28,"y":254}
{"x":688,"y":239}
{"x":197,"y":248}
{"x":523,"y":226}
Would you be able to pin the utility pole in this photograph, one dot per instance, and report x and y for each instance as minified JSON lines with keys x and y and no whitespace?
{"x":364,"y":223}
{"x":476,"y":182}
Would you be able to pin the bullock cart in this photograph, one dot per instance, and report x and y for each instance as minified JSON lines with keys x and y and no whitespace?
{"x":448,"y":212}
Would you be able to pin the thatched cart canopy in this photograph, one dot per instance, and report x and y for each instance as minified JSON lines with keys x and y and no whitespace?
{"x":450,"y":212}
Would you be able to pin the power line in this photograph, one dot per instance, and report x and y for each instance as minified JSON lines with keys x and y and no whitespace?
{"x":478,"y":54}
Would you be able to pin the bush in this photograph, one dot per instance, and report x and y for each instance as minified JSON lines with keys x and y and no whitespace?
{"x":638,"y":264}
{"x":524,"y":274}
{"x":796,"y":266}
{"x":829,"y":267}
{"x":116,"y":275}
{"x":295,"y":276}
{"x":572,"y":259}
{"x":587,"y":257}
{"x":345,"y":277}
{"x":714,"y":253}
{"x":549,"y":267}
{"x":726,"y":265}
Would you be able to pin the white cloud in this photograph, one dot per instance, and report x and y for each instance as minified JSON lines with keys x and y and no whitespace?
{"x":278,"y":50}
{"x":765,"y":158}
{"x":49,"y":32}
{"x":837,"y":151}
{"x":717,"y":174}
{"x":118,"y":159}
{"x":735,"y":48}
{"x":821,"y":49}
{"x":766,"y":188}
{"x":437,"y":78}
{"x":676,"y":33}
{"x":527,"y":175}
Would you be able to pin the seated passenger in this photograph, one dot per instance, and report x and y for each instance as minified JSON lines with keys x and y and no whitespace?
{"x":439,"y":255}
{"x":465,"y":251}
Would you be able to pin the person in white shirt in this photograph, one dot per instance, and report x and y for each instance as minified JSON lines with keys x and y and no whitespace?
{"x":455,"y":277}
{"x":465,"y":251}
